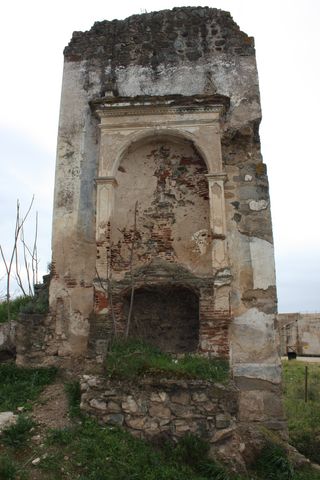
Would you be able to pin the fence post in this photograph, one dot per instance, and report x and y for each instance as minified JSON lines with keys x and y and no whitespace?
{"x":306,"y":383}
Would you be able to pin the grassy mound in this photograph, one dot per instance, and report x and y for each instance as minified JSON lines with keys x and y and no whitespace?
{"x":130,"y":359}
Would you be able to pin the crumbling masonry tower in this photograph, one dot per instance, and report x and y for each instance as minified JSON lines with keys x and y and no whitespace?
{"x":159,"y":155}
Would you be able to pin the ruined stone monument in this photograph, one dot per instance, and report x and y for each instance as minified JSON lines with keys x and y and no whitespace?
{"x":160,"y":185}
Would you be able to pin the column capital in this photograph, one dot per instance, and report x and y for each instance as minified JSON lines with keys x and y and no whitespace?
{"x":219,"y":176}
{"x":106,"y":181}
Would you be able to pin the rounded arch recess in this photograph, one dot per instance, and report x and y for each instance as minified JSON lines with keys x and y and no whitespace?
{"x":137,"y":139}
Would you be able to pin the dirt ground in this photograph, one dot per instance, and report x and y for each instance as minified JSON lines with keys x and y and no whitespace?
{"x":51,"y":409}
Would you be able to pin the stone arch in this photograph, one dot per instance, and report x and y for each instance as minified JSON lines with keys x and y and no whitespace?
{"x":138,"y":138}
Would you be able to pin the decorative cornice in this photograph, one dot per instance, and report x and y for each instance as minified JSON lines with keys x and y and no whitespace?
{"x":155,"y":105}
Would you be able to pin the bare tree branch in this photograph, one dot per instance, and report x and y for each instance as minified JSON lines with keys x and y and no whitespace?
{"x":8,"y":264}
{"x":134,"y":234}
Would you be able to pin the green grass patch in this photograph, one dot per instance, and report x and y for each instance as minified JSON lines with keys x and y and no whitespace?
{"x":20,"y":386}
{"x":8,"y":468}
{"x":16,"y":435}
{"x":303,"y":417}
{"x":130,"y":359}
{"x":101,"y":453}
{"x":15,"y":306}
{"x":73,"y":392}
{"x":273,"y":463}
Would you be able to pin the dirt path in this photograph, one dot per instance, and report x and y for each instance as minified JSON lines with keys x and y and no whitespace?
{"x":51,"y":409}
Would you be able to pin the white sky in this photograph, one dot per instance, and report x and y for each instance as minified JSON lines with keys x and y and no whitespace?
{"x":32,"y":37}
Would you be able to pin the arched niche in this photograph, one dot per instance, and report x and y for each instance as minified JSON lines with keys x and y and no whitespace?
{"x":166,"y":178}
{"x":166,"y":316}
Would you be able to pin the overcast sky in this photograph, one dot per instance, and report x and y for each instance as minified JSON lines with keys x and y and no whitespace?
{"x":32,"y":37}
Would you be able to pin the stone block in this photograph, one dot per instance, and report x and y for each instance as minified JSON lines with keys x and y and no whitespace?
{"x":137,"y":423}
{"x":98,"y":404}
{"x":130,"y":405}
{"x":113,"y":407}
{"x":159,"y":411}
{"x":222,"y":420}
{"x":199,"y":397}
{"x":159,"y":397}
{"x":114,"y":419}
{"x":7,"y":419}
{"x":182,"y":398}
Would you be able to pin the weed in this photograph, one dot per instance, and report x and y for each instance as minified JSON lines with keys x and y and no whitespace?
{"x":273,"y":463}
{"x":18,"y":385}
{"x":191,"y":450}
{"x":74,"y":397}
{"x":102,"y":452}
{"x":15,"y":308}
{"x":16,"y":435}
{"x":129,"y":359}
{"x":8,"y":468}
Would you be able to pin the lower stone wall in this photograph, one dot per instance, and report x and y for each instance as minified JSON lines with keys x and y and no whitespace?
{"x":7,"y":340}
{"x":166,"y":408}
{"x":32,"y":339}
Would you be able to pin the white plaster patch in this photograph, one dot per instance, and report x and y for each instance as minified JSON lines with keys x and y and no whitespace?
{"x":255,"y":318}
{"x":201,"y":240}
{"x":253,"y":337}
{"x":258,"y":205}
{"x":262,"y":260}
{"x":248,"y":178}
{"x":267,"y":372}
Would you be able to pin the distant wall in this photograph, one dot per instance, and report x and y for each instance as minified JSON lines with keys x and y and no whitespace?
{"x":299,"y":332}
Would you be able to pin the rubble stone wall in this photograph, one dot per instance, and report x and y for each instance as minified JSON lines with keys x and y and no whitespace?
{"x":168,"y":409}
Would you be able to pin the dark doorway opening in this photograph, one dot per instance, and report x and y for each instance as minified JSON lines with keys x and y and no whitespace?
{"x":166,"y":317}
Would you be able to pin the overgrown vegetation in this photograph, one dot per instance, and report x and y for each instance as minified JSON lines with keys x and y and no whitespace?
{"x":8,"y":468}
{"x":110,"y":453}
{"x":87,"y":451}
{"x":303,"y":417}
{"x":129,"y":359}
{"x":74,"y":396}
{"x":273,"y":463}
{"x":25,"y":304}
{"x":16,"y":306}
{"x":16,"y":435}
{"x":20,"y":386}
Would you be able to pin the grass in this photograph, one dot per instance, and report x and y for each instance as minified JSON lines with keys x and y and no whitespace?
{"x":73,"y":392}
{"x":101,"y":453}
{"x":16,"y":435}
{"x":88,"y":451}
{"x":130,"y":359}
{"x":273,"y":463}
{"x":20,"y":386}
{"x":16,"y":306}
{"x":25,"y":304}
{"x":303,"y":417}
{"x":8,"y":468}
